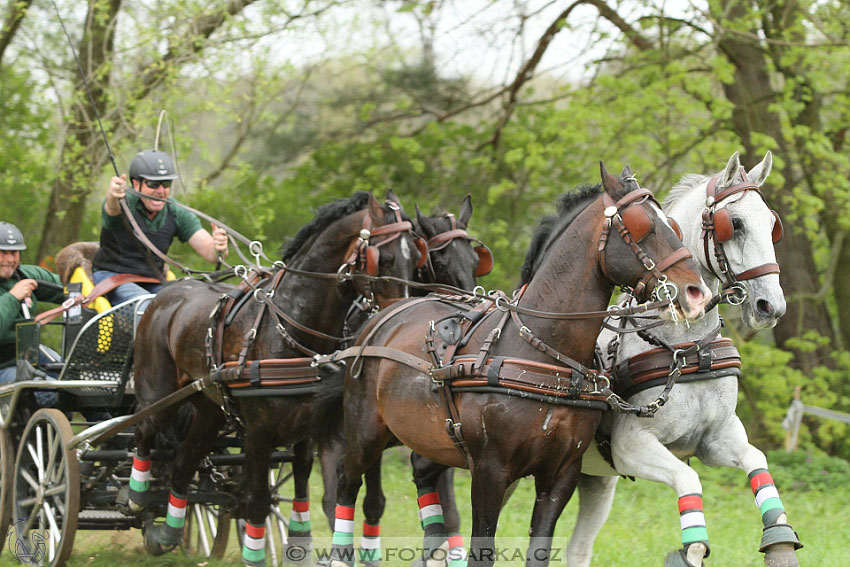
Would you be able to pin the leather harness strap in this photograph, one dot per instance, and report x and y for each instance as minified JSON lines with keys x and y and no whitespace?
{"x":100,"y":289}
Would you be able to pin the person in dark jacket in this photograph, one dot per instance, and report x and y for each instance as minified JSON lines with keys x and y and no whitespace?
{"x":151,"y":173}
{"x":19,"y":297}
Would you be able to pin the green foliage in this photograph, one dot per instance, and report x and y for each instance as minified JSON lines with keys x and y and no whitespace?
{"x":25,"y":170}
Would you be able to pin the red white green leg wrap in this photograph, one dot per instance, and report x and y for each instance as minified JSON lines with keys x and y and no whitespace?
{"x":254,"y":545}
{"x":299,"y":519}
{"x":457,"y":552}
{"x":767,"y":497}
{"x":342,"y":544}
{"x":772,"y":512}
{"x":140,"y":481}
{"x":175,"y":519}
{"x":370,"y":545}
{"x":692,"y":520}
{"x":431,"y":519}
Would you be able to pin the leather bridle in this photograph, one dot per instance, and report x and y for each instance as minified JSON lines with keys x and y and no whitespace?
{"x":715,"y":221}
{"x":628,"y":223}
{"x":443,"y":239}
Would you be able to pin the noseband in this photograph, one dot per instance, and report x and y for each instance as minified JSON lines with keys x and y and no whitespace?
{"x":633,"y":224}
{"x":717,"y":228}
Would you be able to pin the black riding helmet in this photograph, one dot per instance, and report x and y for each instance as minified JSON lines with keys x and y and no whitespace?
{"x":152,"y":164}
{"x":11,"y":238}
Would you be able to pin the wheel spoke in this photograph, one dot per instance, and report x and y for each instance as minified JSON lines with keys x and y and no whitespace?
{"x":34,"y":484}
{"x":55,"y":490}
{"x":212,"y":521}
{"x":202,"y":530}
{"x":53,"y":450}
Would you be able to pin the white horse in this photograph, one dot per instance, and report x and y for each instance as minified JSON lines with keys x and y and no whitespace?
{"x":730,"y":231}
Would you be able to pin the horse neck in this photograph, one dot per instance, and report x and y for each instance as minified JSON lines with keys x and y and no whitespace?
{"x":569,"y":280}
{"x":320,"y":303}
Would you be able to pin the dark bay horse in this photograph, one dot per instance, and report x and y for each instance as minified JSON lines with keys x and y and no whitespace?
{"x":522,"y":400}
{"x":455,"y":259}
{"x":297,"y":313}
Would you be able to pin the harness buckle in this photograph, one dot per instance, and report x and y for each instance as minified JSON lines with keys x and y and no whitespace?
{"x":651,"y":265}
{"x":738,"y":295}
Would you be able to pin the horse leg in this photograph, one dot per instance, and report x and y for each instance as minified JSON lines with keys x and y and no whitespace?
{"x":553,"y":491}
{"x":330,"y":456}
{"x":258,"y":449}
{"x":373,"y":509}
{"x":299,"y":545}
{"x":355,"y":464}
{"x":596,"y":494}
{"x":426,"y":475}
{"x":451,"y":515}
{"x":779,"y":541}
{"x":489,"y":483}
{"x":638,"y":452}
{"x":200,"y":438}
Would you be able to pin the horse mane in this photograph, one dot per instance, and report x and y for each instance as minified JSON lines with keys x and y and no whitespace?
{"x":682,"y":188}
{"x":325,"y":216}
{"x":552,"y":225}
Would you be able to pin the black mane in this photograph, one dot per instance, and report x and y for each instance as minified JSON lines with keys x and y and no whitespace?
{"x":325,"y":216}
{"x":552,"y":225}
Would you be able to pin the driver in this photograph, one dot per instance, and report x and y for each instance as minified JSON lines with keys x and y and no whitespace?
{"x":19,"y":297}
{"x":151,"y":174}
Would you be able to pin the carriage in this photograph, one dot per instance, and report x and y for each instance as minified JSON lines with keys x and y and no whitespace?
{"x":56,"y":461}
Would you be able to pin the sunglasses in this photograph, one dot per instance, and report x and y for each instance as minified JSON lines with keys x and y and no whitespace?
{"x":157,"y":184}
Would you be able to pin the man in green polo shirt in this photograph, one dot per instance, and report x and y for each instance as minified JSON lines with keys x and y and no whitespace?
{"x":151,"y":173}
{"x":20,"y":293}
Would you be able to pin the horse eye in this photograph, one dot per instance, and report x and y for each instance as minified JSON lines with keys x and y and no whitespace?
{"x":737,"y":224}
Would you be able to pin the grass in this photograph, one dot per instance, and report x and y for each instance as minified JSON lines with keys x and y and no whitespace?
{"x":642,"y":528}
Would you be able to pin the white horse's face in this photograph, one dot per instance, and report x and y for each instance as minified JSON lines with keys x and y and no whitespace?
{"x":752,"y":245}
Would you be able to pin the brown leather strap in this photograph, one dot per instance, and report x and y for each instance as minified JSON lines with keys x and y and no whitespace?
{"x":100,"y":289}
{"x":758,"y":271}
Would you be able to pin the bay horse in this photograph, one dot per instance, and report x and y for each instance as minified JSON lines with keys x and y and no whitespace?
{"x":732,"y":236}
{"x":474,"y":386}
{"x":454,"y":259}
{"x":293,"y":315}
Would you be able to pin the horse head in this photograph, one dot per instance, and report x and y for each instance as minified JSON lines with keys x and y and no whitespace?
{"x":387,"y":251}
{"x":640,"y":249}
{"x":733,"y":230}
{"x":454,"y":257}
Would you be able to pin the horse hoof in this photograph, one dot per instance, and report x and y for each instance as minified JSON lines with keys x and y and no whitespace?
{"x":679,"y":559}
{"x":152,"y":544}
{"x":781,"y":555}
{"x":776,"y":534}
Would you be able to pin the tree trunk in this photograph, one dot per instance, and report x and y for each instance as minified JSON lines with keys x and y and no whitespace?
{"x":751,"y":93}
{"x":83,"y":151}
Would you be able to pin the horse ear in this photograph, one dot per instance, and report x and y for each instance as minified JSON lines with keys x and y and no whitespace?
{"x":420,"y":218}
{"x":733,"y":166}
{"x":465,"y":211}
{"x":760,"y":172}
{"x":610,"y":183}
{"x":627,"y":172}
{"x":376,"y":211}
{"x":391,"y":196}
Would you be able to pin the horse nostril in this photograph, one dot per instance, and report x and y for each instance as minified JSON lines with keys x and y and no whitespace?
{"x":764,"y":307}
{"x":695,"y":295}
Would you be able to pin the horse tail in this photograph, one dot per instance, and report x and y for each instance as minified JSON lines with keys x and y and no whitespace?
{"x":327,"y":405}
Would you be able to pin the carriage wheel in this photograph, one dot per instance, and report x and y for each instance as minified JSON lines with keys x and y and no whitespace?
{"x":46,"y":491}
{"x":206,"y":531}
{"x":277,"y":522}
{"x":7,"y":471}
